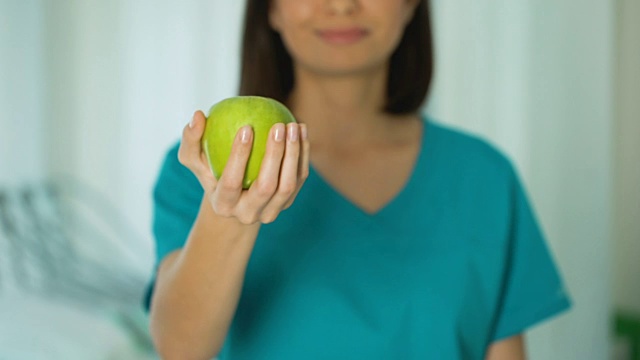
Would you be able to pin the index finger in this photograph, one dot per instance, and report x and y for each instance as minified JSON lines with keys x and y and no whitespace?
{"x":229,"y":187}
{"x":190,"y":151}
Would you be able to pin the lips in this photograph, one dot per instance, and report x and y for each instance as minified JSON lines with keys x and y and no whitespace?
{"x":343,"y":36}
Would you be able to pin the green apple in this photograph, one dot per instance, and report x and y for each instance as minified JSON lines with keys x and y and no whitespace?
{"x":227,"y":117}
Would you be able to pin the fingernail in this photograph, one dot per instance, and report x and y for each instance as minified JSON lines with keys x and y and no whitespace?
{"x":192,"y":123}
{"x":278,"y":132}
{"x":303,"y":130}
{"x":292,"y":132}
{"x":246,"y":134}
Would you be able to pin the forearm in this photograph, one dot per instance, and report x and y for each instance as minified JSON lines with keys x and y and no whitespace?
{"x":512,"y":348}
{"x":198,"y":288}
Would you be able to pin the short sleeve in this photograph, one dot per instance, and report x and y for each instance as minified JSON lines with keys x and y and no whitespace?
{"x":176,"y":201}
{"x":532,"y":289}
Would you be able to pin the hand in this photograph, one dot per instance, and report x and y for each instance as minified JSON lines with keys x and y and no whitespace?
{"x":284,"y":169}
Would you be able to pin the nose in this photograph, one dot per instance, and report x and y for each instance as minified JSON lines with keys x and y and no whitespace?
{"x":342,"y":7}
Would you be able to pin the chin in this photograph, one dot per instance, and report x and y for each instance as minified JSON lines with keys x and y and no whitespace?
{"x":346,"y":67}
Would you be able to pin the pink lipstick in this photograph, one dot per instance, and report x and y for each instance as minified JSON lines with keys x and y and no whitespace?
{"x":345,"y":36}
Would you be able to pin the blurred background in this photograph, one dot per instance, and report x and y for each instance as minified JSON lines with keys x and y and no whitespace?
{"x":93,"y":92}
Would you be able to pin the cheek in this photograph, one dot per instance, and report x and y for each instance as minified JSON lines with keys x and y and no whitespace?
{"x":387,"y":37}
{"x":395,"y":25}
{"x":398,"y":12}
{"x":294,"y":13}
{"x":295,"y":23}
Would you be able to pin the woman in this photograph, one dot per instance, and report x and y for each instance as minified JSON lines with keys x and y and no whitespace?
{"x":407,"y":240}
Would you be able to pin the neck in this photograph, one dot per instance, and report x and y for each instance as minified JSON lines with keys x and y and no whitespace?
{"x":340,"y":109}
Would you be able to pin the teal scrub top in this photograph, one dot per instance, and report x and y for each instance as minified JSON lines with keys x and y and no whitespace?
{"x":454,"y":262}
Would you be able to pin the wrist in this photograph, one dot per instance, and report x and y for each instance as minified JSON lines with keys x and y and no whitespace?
{"x":231,"y":224}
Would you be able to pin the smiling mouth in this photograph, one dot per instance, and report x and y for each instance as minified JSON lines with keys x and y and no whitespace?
{"x":343,"y":36}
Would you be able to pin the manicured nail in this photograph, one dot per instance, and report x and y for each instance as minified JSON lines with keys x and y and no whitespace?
{"x":192,"y":123}
{"x":246,"y":134}
{"x":279,"y":132}
{"x":292,"y":132}
{"x":303,"y":130}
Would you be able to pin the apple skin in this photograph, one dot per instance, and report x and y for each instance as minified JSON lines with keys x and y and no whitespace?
{"x":227,"y":117}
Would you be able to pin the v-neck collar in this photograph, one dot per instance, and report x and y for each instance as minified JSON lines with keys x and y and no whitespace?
{"x":418,"y":167}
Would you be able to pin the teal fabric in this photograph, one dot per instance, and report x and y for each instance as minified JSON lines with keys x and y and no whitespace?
{"x":455,"y":262}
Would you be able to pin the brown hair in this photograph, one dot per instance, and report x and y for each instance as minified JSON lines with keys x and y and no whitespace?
{"x":267,"y":67}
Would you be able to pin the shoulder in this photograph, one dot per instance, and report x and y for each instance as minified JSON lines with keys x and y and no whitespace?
{"x":171,"y":166}
{"x":170,"y":163}
{"x":175,"y":181}
{"x":466,"y":153}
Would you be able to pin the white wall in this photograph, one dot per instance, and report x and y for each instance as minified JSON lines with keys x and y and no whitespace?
{"x":627,"y":164}
{"x":536,"y":78}
{"x":120,"y":80}
{"x":98,"y":91}
{"x":21,"y":92}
